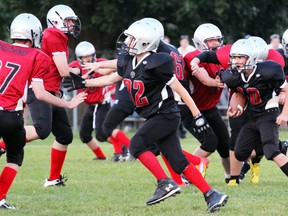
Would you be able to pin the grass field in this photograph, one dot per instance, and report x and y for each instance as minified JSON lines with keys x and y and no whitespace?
{"x":107,"y":188}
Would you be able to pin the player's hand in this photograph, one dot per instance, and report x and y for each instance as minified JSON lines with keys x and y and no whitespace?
{"x":91,"y":67}
{"x":282,"y":119}
{"x":78,"y":99}
{"x":194,"y":65}
{"x":200,"y":124}
{"x":234,"y":113}
{"x":219,"y":83}
{"x":73,"y":82}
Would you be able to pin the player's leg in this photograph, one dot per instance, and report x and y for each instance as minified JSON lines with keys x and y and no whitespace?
{"x":62,"y":131}
{"x":13,"y":132}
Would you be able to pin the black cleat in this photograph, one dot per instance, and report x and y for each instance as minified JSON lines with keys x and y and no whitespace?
{"x":215,"y":200}
{"x":119,"y":158}
{"x":57,"y":182}
{"x":5,"y":205}
{"x":165,"y":188}
{"x":2,"y":151}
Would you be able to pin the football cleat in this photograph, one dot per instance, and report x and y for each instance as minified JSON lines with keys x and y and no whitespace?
{"x":2,"y":151}
{"x":232,"y":182}
{"x":283,"y":145}
{"x":255,"y":168}
{"x":185,"y":181}
{"x":165,"y":189}
{"x":119,"y":158}
{"x":202,"y":167}
{"x":215,"y":200}
{"x":5,"y":205}
{"x":57,"y":182}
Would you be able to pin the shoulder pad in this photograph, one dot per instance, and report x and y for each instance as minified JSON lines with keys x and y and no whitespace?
{"x":157,"y":59}
{"x":223,"y":55}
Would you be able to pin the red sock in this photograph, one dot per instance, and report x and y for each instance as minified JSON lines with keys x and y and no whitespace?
{"x":149,"y":160}
{"x":122,"y":138}
{"x":99,"y":153}
{"x":57,"y":161}
{"x":6,"y":179}
{"x":175,"y":176}
{"x":117,"y":145}
{"x":195,"y":177}
{"x":3,"y":145}
{"x":195,"y":160}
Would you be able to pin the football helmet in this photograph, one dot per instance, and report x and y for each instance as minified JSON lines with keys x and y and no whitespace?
{"x":285,"y":43}
{"x":157,"y":24}
{"x":57,"y":17}
{"x":243,"y":48}
{"x":85,"y":48}
{"x":260,"y":47}
{"x":27,"y":26}
{"x":204,"y":32}
{"x":140,"y":37}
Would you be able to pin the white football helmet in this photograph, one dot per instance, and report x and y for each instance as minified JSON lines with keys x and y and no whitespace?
{"x":204,"y":32}
{"x":85,"y":48}
{"x":260,"y":47}
{"x":140,"y":37}
{"x":285,"y":43}
{"x":56,"y":17}
{"x":27,"y":26}
{"x":243,"y":48}
{"x":157,"y":24}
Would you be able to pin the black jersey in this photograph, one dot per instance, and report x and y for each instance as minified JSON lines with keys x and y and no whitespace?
{"x":266,"y":80}
{"x":147,"y":82}
{"x":179,"y":70}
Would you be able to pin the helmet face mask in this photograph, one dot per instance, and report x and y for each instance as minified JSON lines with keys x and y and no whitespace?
{"x":244,"y":50}
{"x":85,"y":49}
{"x":63,"y":18}
{"x":139,"y":38}
{"x":27,"y":26}
{"x":204,"y":33}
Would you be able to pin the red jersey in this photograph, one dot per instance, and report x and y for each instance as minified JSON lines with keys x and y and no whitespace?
{"x":95,"y":94}
{"x":18,"y":67}
{"x":205,"y":97}
{"x":274,"y":55}
{"x":54,"y":42}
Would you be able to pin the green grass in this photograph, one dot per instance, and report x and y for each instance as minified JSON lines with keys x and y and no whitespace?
{"x":107,"y":188}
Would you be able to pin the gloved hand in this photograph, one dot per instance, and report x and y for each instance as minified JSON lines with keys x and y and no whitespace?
{"x":73,"y":82}
{"x":200,"y":124}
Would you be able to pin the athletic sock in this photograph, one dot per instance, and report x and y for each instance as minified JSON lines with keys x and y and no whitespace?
{"x":284,"y":168}
{"x":149,"y":160}
{"x":57,"y":161}
{"x":122,"y":138}
{"x":195,"y":160}
{"x":236,"y":178}
{"x":116,"y":145}
{"x":6,"y":179}
{"x":99,"y":153}
{"x":175,"y":176}
{"x":196,"y":178}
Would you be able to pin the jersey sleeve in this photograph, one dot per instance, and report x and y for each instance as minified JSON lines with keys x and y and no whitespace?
{"x":162,"y":66}
{"x":41,"y":66}
{"x":223,"y":55}
{"x":121,"y":62}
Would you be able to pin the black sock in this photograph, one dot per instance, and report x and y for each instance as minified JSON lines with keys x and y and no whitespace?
{"x":245,"y":167}
{"x":235,"y":177}
{"x":284,"y":168}
{"x":257,"y":159}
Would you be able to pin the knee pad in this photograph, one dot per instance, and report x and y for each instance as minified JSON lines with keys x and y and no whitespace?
{"x":85,"y":139}
{"x":65,"y":139}
{"x":43,"y":132}
{"x":209,"y":142}
{"x":241,"y":157}
{"x":271,"y":151}
{"x":101,"y":137}
{"x":107,"y":129}
{"x":16,"y":158}
{"x":137,"y":146}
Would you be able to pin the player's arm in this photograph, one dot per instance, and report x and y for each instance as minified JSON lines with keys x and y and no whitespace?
{"x":61,"y":63}
{"x":42,"y":94}
{"x":102,"y":67}
{"x":283,"y":117}
{"x":204,"y":78}
{"x":207,"y":57}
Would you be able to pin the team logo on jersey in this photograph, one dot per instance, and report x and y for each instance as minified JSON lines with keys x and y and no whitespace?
{"x":132,"y":74}
{"x":144,"y":62}
{"x":257,"y":75}
{"x":246,"y":85}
